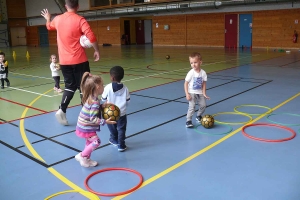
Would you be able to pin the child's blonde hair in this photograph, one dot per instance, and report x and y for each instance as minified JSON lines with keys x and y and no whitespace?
{"x":196,"y":54}
{"x":89,"y":84}
{"x":51,"y":57}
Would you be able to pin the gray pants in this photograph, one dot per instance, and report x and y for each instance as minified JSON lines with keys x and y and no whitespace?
{"x":200,"y":100}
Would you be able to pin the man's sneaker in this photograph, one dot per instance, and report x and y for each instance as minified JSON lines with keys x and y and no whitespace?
{"x":2,"y":87}
{"x":61,"y":117}
{"x":8,"y":84}
{"x":198,"y":118}
{"x":92,"y":163}
{"x":82,"y":160}
{"x":189,"y":124}
{"x":112,"y":142}
{"x":122,"y":148}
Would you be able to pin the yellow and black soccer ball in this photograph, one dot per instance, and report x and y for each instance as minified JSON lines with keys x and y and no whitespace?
{"x":168,"y":57}
{"x":207,"y":121}
{"x":111,"y":110}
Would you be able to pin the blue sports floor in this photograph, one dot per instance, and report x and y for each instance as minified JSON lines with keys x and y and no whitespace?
{"x":246,"y":88}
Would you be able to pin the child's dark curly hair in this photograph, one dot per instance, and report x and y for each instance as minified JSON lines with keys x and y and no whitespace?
{"x":117,"y":73}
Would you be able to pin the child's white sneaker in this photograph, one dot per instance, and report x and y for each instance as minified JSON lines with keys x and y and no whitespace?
{"x":92,"y":163}
{"x":61,"y":117}
{"x":82,"y":160}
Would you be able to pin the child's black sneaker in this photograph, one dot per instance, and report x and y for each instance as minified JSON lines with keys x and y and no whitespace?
{"x":198,"y":118}
{"x":112,"y":142}
{"x":2,"y":87}
{"x":189,"y":124}
{"x":122,"y":148}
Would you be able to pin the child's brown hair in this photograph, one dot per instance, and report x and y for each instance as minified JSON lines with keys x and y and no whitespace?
{"x":196,"y":54}
{"x":88,"y":86}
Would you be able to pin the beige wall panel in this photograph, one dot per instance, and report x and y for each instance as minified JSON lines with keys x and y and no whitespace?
{"x":176,"y":35}
{"x":111,"y":36}
{"x":275,"y":28}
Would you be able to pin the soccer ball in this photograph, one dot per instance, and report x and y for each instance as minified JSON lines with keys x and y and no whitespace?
{"x":85,"y":42}
{"x":207,"y":121}
{"x":167,"y":57}
{"x":57,"y":66}
{"x":111,"y":110}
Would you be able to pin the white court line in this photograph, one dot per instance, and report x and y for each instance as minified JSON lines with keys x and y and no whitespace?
{"x":34,"y":76}
{"x":122,"y":81}
{"x":31,"y":75}
{"x":184,"y":69}
{"x":30,"y":92}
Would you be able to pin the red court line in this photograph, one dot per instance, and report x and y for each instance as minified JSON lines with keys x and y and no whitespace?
{"x":34,"y":115}
{"x":23,"y":105}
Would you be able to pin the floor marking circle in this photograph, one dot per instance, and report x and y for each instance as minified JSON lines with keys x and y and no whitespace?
{"x":283,"y":123}
{"x":88,"y":194}
{"x":252,"y":105}
{"x":269,"y":140}
{"x":111,"y":169}
{"x":227,"y":131}
{"x":233,"y":113}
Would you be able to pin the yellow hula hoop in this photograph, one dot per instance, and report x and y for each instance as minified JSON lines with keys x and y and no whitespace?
{"x":233,"y":113}
{"x":253,"y":105}
{"x":89,"y":194}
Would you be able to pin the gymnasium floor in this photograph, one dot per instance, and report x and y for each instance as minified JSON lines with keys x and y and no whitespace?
{"x":246,"y":88}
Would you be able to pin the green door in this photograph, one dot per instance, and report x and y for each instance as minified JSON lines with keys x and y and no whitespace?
{"x":43,"y":34}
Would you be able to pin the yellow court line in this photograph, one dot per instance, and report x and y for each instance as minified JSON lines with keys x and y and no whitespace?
{"x":36,"y":155}
{"x":23,"y":133}
{"x":154,"y":178}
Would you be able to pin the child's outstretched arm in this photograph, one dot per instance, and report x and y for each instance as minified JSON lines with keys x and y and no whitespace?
{"x":187,"y":95}
{"x":204,"y":90}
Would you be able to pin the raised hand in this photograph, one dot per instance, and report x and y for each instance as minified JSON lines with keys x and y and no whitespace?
{"x":46,"y":14}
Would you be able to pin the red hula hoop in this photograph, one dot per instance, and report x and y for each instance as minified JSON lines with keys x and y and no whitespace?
{"x":269,"y":140}
{"x":118,"y":193}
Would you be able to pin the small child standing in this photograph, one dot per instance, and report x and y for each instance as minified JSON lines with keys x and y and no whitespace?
{"x":117,"y":93}
{"x":3,"y":70}
{"x":195,"y":88}
{"x":54,"y":66}
{"x":89,"y":120}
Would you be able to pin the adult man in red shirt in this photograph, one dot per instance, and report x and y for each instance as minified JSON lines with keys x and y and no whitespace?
{"x":73,"y":60}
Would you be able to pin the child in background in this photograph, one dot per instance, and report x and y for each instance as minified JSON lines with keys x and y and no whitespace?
{"x":195,"y":89}
{"x":117,"y":93}
{"x":3,"y":70}
{"x":54,"y":66}
{"x":89,"y":120}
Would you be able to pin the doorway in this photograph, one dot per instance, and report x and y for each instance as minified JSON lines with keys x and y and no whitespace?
{"x":140,"y":32}
{"x":43,"y":35}
{"x":231,"y":23}
{"x":148,"y":31}
{"x":18,"y":36}
{"x":126,"y":36}
{"x":245,"y":30}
